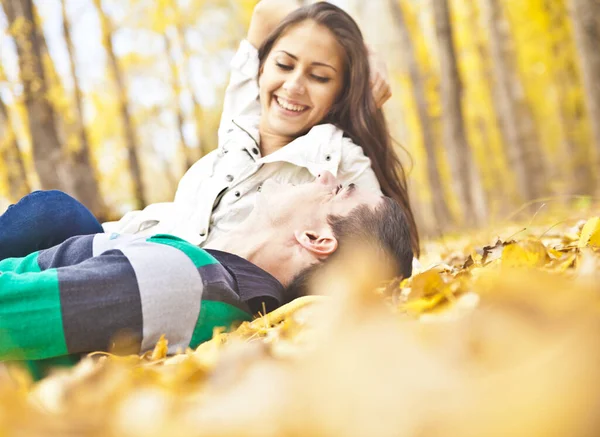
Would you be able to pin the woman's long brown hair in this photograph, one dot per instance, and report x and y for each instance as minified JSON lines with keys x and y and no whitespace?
{"x":355,"y":111}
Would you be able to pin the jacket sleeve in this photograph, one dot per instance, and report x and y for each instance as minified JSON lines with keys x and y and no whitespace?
{"x":355,"y":167}
{"x":189,"y":188}
{"x":241,"y":94}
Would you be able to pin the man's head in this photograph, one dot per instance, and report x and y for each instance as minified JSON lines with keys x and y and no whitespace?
{"x":302,"y":211}
{"x":314,"y":222}
{"x":294,"y":230}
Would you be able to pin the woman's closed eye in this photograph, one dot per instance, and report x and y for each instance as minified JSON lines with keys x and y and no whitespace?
{"x":284,"y":66}
{"x":320,"y":78}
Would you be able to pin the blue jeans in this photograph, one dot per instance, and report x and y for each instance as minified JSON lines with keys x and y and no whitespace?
{"x":41,"y":220}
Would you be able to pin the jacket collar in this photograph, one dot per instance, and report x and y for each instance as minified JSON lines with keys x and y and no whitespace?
{"x":318,"y":150}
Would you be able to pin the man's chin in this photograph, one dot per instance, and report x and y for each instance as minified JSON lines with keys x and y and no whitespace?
{"x":269,"y":186}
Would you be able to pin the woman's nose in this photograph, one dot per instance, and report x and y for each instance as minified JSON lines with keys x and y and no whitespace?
{"x":294,"y":85}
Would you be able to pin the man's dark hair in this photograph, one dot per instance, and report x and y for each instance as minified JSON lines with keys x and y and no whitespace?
{"x":383,"y":231}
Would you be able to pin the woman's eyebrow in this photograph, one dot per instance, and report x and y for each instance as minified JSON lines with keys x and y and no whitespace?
{"x":322,"y":64}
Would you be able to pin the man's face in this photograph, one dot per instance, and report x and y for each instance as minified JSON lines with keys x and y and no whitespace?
{"x":308,"y":205}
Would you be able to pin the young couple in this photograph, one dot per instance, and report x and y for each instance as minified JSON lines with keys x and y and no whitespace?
{"x":304,"y":166}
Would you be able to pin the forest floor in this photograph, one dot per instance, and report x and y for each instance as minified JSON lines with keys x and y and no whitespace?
{"x":496,"y":335}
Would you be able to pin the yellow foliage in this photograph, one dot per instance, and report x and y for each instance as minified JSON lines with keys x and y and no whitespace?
{"x":506,"y":345}
{"x":590,"y":234}
{"x":527,"y":253}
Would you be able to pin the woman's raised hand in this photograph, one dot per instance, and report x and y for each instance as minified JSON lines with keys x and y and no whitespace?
{"x":266,"y":16}
{"x":380,"y":83}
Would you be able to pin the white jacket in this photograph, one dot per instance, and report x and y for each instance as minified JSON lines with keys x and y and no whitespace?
{"x":219,"y":190}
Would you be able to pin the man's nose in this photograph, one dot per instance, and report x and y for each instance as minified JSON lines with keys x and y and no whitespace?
{"x":326,"y":178}
{"x":294,"y":85}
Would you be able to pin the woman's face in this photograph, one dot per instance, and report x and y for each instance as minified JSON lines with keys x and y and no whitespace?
{"x":301,"y":80}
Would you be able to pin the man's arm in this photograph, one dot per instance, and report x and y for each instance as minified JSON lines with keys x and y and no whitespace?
{"x":68,"y":301}
{"x":49,"y":308}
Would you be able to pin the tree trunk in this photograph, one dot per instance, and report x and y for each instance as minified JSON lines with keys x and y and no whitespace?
{"x":501,"y":192}
{"x":586,"y":23}
{"x":85,"y":182}
{"x":440,"y":208}
{"x":575,"y":150}
{"x":176,"y":86}
{"x":198,"y":116}
{"x":46,"y":148}
{"x":16,"y":177}
{"x":130,"y":135}
{"x":464,"y":173}
{"x":516,"y":124}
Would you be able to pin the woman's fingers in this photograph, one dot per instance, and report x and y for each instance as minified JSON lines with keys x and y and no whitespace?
{"x":381,"y":91}
{"x":380,"y":84}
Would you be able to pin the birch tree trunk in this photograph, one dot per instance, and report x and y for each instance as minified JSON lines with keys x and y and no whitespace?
{"x":47,"y":153}
{"x":85,"y":182}
{"x":586,"y":23}
{"x":130,"y":134}
{"x":440,"y":207}
{"x":465,"y":177}
{"x":575,"y":151}
{"x":516,"y":123}
{"x":198,"y":115}
{"x":16,"y":177}
{"x":501,"y":192}
{"x":176,"y":86}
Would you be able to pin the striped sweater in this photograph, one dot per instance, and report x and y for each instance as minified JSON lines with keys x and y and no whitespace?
{"x":76,"y":297}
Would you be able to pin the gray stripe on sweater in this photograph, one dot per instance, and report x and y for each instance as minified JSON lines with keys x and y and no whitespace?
{"x":170,"y":291}
{"x":105,"y":242}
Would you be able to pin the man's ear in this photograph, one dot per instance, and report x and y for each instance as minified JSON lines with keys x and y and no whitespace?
{"x":321,"y":244}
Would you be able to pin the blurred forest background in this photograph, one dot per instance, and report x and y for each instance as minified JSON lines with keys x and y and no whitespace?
{"x":496,"y":101}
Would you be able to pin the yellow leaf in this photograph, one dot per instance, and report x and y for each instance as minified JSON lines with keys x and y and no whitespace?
{"x":423,"y":304}
{"x":527,"y":253}
{"x":590,"y":234}
{"x":161,"y":349}
{"x":426,"y":284}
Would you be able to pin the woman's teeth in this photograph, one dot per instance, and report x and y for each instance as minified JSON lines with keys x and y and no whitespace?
{"x":289,"y":106}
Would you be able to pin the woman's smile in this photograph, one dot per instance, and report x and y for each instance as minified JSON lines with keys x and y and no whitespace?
{"x":289,"y":108}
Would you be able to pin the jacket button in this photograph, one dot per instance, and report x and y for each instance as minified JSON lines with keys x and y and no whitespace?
{"x":327,"y":157}
{"x":259,"y":188}
{"x":237,"y":194}
{"x":255,"y":151}
{"x":202,"y":232}
{"x":229,"y":178}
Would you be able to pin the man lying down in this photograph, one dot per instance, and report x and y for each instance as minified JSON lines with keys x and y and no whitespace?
{"x":76,"y":297}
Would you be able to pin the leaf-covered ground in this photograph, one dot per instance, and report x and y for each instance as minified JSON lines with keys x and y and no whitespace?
{"x":490,"y":338}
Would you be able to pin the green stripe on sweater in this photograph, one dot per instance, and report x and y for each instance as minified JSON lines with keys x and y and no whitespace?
{"x":30,"y":313}
{"x":215,"y":314}
{"x":21,"y":265}
{"x":198,"y":256}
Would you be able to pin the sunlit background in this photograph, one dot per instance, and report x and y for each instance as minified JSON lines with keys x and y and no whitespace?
{"x":525,"y":105}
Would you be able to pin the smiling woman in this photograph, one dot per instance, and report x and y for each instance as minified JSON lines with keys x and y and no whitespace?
{"x":300,"y":80}
{"x":302,"y":101}
{"x":356,"y":110}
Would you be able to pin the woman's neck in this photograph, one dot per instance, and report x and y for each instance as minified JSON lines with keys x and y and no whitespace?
{"x":270,"y":143}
